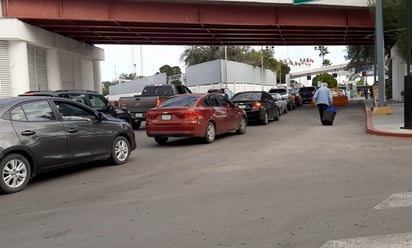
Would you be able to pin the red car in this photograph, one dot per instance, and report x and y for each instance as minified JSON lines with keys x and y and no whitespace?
{"x":195,"y":115}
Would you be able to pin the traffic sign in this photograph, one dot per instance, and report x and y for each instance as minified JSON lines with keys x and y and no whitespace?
{"x":296,"y":2}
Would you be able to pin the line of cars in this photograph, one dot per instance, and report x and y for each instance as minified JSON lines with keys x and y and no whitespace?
{"x":210,"y":114}
{"x":43,"y":131}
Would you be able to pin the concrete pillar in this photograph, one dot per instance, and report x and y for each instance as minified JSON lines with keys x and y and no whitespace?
{"x":53,"y":69}
{"x":97,"y":76}
{"x":19,"y":67}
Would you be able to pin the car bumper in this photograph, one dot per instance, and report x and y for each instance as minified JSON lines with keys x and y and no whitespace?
{"x":175,"y":130}
{"x":255,"y":115}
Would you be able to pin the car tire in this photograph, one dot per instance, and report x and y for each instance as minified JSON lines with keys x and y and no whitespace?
{"x":242,"y":126}
{"x":265,"y":119}
{"x":289,"y":106}
{"x":277,"y":116}
{"x":120,"y":151}
{"x":136,"y":125}
{"x":15,"y":173}
{"x":210,"y":133}
{"x":161,"y":140}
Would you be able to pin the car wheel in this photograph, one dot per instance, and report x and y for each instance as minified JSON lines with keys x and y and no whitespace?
{"x":161,"y":140}
{"x":210,"y":133}
{"x":265,"y":120}
{"x":120,"y":150}
{"x":242,"y":126}
{"x":15,"y":173}
{"x":289,"y":107}
{"x":276,"y":118}
{"x":136,"y":125}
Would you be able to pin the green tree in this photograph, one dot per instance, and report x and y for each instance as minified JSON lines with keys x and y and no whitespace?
{"x":128,"y":76}
{"x":105,"y":87}
{"x":243,"y":54}
{"x":325,"y":78}
{"x":323,"y":51}
{"x":360,"y":57}
{"x":171,"y":71}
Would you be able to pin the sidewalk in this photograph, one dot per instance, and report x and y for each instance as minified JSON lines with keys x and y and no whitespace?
{"x":386,"y":124}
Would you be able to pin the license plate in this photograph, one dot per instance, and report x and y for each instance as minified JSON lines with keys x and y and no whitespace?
{"x":166,"y":117}
{"x":138,"y":114}
{"x":242,"y":106}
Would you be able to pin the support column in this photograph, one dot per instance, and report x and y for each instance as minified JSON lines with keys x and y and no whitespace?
{"x":53,"y":70}
{"x":97,"y":76}
{"x":19,"y":67}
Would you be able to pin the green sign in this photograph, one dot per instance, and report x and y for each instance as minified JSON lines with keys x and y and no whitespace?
{"x":296,"y":2}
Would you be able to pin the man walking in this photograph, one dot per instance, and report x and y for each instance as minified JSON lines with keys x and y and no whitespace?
{"x":323,"y":98}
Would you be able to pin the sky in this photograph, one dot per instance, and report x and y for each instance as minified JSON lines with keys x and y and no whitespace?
{"x":146,"y":60}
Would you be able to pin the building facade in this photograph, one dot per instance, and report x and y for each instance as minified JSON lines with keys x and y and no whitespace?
{"x":34,"y":59}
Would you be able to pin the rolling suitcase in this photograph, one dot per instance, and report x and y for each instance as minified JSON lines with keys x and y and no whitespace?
{"x":329,"y":116}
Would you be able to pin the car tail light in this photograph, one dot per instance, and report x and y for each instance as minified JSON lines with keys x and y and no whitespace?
{"x":158,"y":101}
{"x":257,"y":105}
{"x":191,"y":114}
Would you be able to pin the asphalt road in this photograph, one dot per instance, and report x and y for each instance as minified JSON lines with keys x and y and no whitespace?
{"x":292,"y":183}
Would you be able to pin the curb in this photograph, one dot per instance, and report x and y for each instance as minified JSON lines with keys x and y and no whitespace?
{"x":371,"y":130}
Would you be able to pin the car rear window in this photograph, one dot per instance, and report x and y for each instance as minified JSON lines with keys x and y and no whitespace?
{"x":306,"y":89}
{"x":280,"y":91}
{"x":247,"y":96}
{"x":165,"y":90}
{"x":183,"y":101}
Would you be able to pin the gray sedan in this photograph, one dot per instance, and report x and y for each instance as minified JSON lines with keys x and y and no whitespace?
{"x":39,"y":134}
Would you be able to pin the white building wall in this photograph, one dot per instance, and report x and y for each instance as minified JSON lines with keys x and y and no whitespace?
{"x":228,"y":72}
{"x":18,"y":67}
{"x":398,"y":74}
{"x":53,"y":69}
{"x":70,"y":64}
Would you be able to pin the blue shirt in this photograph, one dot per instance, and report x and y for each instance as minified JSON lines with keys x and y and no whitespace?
{"x":323,"y":96}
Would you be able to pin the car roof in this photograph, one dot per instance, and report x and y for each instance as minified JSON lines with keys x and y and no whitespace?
{"x":6,"y":103}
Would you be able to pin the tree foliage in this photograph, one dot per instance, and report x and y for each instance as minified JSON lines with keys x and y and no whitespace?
{"x":243,"y":54}
{"x":325,"y":78}
{"x":323,"y":51}
{"x":105,"y":87}
{"x":395,"y":23}
{"x":171,"y":71}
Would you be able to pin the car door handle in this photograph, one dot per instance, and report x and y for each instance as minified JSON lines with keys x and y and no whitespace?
{"x":28,"y":132}
{"x":72,"y":130}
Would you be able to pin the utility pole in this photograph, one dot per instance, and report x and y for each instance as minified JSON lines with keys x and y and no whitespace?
{"x":380,"y":53}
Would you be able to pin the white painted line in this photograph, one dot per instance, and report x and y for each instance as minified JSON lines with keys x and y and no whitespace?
{"x":396,"y":201}
{"x":401,"y":240}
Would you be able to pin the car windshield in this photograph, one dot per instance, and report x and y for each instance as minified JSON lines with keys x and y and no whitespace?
{"x":247,"y":96}
{"x":280,"y":91}
{"x":185,"y":101}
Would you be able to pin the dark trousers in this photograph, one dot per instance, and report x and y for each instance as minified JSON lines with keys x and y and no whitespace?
{"x":322,"y":108}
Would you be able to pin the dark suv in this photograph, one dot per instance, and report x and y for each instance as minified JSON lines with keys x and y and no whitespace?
{"x":307,"y":93}
{"x":90,"y":98}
